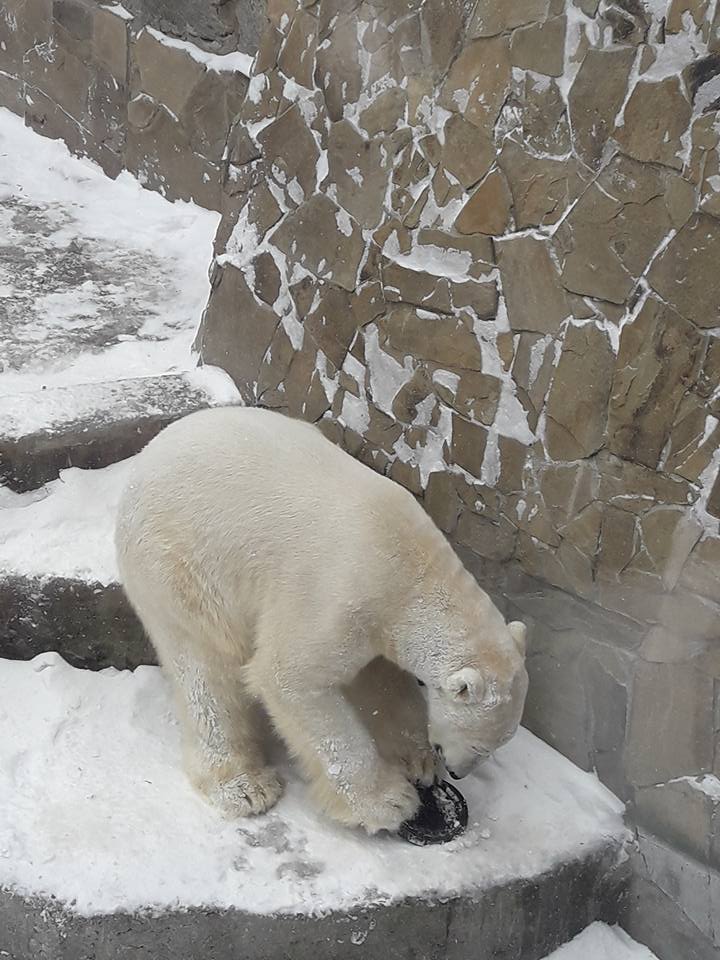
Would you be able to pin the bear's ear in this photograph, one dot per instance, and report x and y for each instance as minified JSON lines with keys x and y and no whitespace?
{"x":518,"y":631}
{"x":466,"y":685}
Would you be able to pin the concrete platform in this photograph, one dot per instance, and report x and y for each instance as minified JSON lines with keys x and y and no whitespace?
{"x":102,"y":286}
{"x":58,"y":578}
{"x":99,"y":279}
{"x":105,"y":849}
{"x":95,"y":424}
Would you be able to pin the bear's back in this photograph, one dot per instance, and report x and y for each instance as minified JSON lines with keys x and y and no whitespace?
{"x":240,"y":480}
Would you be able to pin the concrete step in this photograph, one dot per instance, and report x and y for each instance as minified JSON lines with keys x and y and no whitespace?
{"x":93,"y":424}
{"x":58,"y":579}
{"x":102,"y":287}
{"x":106,"y":851}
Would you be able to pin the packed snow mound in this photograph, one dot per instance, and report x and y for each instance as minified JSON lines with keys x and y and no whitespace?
{"x":97,"y":812}
{"x":600,"y":942}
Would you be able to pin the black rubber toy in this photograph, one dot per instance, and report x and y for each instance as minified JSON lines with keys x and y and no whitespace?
{"x":443,"y":815}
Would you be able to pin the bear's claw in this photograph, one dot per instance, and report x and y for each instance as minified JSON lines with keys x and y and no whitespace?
{"x":393,"y":801}
{"x":247,"y":794}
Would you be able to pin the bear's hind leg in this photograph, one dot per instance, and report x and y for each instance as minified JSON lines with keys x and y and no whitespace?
{"x":222,"y":738}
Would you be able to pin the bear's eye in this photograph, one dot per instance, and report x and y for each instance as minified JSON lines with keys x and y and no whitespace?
{"x":421,"y":682}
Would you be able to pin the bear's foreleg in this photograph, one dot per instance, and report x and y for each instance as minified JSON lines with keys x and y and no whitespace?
{"x":349,"y":779}
{"x":222,"y":739}
{"x":392,"y":706}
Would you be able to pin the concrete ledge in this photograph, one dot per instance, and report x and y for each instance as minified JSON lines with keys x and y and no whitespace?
{"x":88,"y":425}
{"x":522,"y":920}
{"x":89,"y":624}
{"x":673,"y":901}
{"x":115,"y":852}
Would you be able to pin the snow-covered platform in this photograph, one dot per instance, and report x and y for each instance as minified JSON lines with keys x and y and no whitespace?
{"x":58,"y":578}
{"x":102,"y":286}
{"x":104,"y":843}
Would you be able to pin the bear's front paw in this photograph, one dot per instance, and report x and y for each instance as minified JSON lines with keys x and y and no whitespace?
{"x":392,"y":800}
{"x":247,"y":793}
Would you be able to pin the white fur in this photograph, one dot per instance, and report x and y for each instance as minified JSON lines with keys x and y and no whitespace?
{"x":271,"y":568}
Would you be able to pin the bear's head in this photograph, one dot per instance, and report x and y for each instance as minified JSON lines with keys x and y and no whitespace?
{"x":475,"y":701}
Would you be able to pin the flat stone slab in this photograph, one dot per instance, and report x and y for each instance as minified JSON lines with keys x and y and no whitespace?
{"x":521,"y":920}
{"x":101,"y":824}
{"x":91,"y":624}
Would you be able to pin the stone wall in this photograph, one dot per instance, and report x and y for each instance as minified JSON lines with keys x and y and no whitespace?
{"x":133,"y":92}
{"x":220,"y":26}
{"x":478,"y":243}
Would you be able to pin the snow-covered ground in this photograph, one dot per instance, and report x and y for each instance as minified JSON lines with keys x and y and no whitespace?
{"x":100,"y":280}
{"x":600,"y":942}
{"x":96,"y":811}
{"x":64,"y":529}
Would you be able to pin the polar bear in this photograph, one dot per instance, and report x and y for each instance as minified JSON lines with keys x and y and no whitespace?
{"x":272,"y":570}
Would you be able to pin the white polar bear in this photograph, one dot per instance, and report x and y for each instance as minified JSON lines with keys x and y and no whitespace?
{"x":271,"y":568}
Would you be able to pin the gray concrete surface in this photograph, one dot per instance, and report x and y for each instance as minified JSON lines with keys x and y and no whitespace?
{"x":90,"y":625}
{"x":522,"y":920}
{"x":87,"y":425}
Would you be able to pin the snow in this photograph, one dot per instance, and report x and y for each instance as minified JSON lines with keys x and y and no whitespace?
{"x":428,"y":456}
{"x":118,"y":9}
{"x":236,"y":62}
{"x":66,"y":529}
{"x":678,"y":50}
{"x":447,"y":379}
{"x":344,"y":224}
{"x":577,"y":23}
{"x":429,"y":258}
{"x":89,"y":403}
{"x":137,"y":313}
{"x":387,"y":377}
{"x":601,"y":942}
{"x":707,"y":783}
{"x":97,"y":813}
